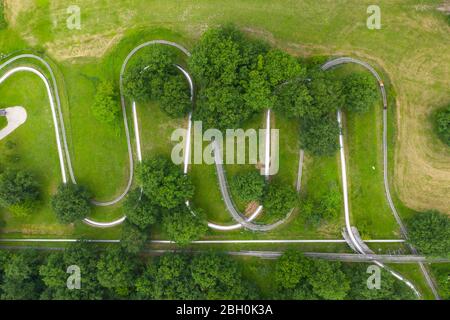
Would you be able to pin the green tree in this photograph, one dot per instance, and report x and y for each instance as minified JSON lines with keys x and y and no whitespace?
{"x":442,"y":124}
{"x":293,"y":100}
{"x":164,"y":183}
{"x":168,"y":278}
{"x":219,"y":277}
{"x":18,"y":189}
{"x":279,"y":199}
{"x":326,"y":93}
{"x":221,"y":107}
{"x":328,"y":281}
{"x":291,"y":268}
{"x":133,"y":238}
{"x":430,"y":233}
{"x":106,"y":107}
{"x":139,"y":209}
{"x":144,"y":79}
{"x":360,"y":92}
{"x":175,"y":98}
{"x":116,"y":271}
{"x":71,"y":203}
{"x":281,"y":67}
{"x":258,"y":93}
{"x":183,"y":226}
{"x":248,"y":186}
{"x":320,"y":136}
{"x":21,"y":278}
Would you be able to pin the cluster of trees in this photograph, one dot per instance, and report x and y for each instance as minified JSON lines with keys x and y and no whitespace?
{"x":113,"y":273}
{"x":430,"y":233}
{"x":239,"y":76}
{"x":442,"y":124}
{"x":298,"y":277}
{"x":19,"y":191}
{"x":162,"y":196}
{"x":277,"y":197}
{"x":154,"y":76}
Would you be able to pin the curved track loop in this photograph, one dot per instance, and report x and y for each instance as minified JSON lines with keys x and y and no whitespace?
{"x":344,"y":60}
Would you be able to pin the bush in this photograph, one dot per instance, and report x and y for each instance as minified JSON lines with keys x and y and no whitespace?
{"x":71,"y":203}
{"x":279,"y":199}
{"x":442,"y":124}
{"x":430,"y":233}
{"x":18,"y":190}
{"x":248,"y":186}
{"x":106,"y":107}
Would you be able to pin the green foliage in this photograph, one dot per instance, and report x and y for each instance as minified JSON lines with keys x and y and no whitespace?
{"x":258,"y":94}
{"x":221,"y":106}
{"x":279,"y":199}
{"x":175,"y":99}
{"x":430,"y":233}
{"x":248,"y":186}
{"x":18,"y":189}
{"x":291,"y":267}
{"x":144,"y":79}
{"x":3,"y":23}
{"x":281,"y":66}
{"x":360,"y":92}
{"x":326,"y":93}
{"x":320,"y":136}
{"x":139,"y":209}
{"x":293,"y":100}
{"x":219,"y":277}
{"x":21,"y":279}
{"x":443,"y":281}
{"x":182,"y":277}
{"x":182,"y":226}
{"x":133,"y":238}
{"x":442,"y":124}
{"x":168,"y":278}
{"x":71,"y":203}
{"x":164,"y":182}
{"x":116,"y":271}
{"x":325,"y":207}
{"x":106,"y":107}
{"x":329,"y":282}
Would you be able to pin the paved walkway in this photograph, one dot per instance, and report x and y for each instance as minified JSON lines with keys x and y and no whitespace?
{"x":15,"y":116}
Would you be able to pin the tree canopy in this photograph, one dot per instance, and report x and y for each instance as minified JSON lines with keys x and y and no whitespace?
{"x":320,"y":135}
{"x":71,"y":203}
{"x":18,"y":188}
{"x":360,"y":91}
{"x":279,"y":199}
{"x":248,"y":186}
{"x":184,"y":226}
{"x":430,"y":233}
{"x":164,"y":182}
{"x":442,"y":124}
{"x":139,"y":209}
{"x":106,"y":107}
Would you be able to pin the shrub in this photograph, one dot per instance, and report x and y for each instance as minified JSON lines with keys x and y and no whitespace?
{"x":248,"y":186}
{"x":19,"y":191}
{"x":106,"y":107}
{"x":442,"y":124}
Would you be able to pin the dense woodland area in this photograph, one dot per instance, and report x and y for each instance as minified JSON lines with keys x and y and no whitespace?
{"x":113,"y":273}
